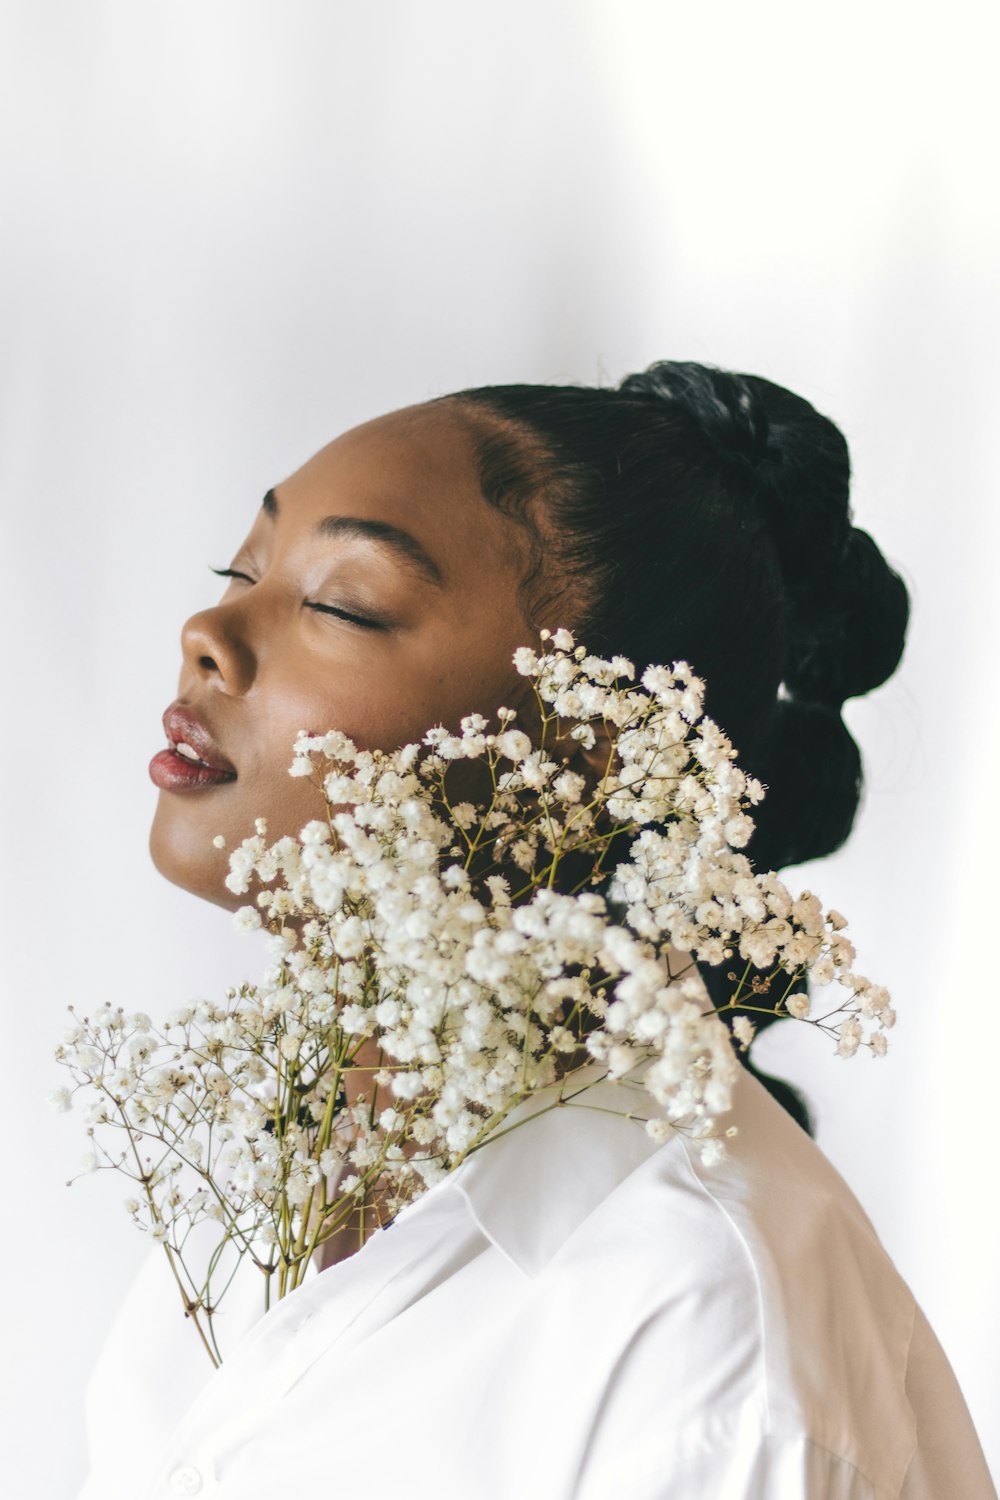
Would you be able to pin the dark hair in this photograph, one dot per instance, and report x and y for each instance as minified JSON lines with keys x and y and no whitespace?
{"x":695,"y":514}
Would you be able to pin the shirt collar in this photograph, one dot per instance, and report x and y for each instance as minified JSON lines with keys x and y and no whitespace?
{"x":562,"y":1152}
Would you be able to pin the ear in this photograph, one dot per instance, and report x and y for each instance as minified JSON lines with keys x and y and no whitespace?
{"x":591,"y":761}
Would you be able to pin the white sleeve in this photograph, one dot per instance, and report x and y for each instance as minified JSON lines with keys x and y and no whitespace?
{"x":948,"y":1460}
{"x":752,"y":1468}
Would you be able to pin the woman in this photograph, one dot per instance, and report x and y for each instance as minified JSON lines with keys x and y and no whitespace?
{"x":576,"y":1311}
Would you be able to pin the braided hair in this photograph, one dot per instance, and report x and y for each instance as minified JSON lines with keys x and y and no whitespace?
{"x":702,"y":515}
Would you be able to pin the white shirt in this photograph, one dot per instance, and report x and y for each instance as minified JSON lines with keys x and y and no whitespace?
{"x":574,"y":1314}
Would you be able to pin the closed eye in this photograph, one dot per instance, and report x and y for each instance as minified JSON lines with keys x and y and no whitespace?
{"x":233,"y":573}
{"x":365,"y":621}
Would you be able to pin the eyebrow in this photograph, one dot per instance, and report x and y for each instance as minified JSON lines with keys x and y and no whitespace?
{"x":405,"y":546}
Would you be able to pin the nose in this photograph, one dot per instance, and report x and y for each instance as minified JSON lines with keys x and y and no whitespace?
{"x":214,"y":648}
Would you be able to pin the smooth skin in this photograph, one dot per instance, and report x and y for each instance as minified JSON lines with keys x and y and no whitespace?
{"x":269,"y":659}
{"x":321,"y":627}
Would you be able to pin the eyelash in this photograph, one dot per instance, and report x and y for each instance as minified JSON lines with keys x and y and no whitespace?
{"x":365,"y":621}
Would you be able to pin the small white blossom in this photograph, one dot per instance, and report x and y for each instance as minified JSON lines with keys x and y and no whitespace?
{"x":428,"y":969}
{"x":569,"y":786}
{"x":743,"y":1030}
{"x":850,"y":1037}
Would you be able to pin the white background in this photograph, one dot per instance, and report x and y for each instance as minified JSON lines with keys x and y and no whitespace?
{"x":229,"y":231}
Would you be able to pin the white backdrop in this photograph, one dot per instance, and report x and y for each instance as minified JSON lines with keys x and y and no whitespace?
{"x":230,"y":230}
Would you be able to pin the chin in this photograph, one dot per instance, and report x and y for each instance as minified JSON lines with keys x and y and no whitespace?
{"x":187,"y":858}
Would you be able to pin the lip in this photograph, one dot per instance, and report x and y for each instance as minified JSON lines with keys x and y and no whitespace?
{"x":173,"y":772}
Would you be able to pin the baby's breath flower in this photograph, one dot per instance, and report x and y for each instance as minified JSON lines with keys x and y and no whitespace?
{"x":743,"y":1030}
{"x":712,"y":1151}
{"x":429,"y":951}
{"x":850,"y":1037}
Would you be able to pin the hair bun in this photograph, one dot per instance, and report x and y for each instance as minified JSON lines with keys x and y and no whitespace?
{"x":846,"y":610}
{"x":813,"y":777}
{"x":857,"y":641}
{"x":722,"y":405}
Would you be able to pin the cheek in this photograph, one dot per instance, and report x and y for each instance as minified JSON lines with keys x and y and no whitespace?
{"x":288,"y":804}
{"x":360,"y":702}
{"x":373,"y":719}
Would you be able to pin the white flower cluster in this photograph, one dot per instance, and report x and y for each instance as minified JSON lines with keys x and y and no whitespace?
{"x":438,"y":959}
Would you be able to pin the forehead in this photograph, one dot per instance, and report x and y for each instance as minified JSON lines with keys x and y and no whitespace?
{"x":415,"y":469}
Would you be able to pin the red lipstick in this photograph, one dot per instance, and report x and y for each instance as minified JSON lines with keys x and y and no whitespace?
{"x":193,"y":759}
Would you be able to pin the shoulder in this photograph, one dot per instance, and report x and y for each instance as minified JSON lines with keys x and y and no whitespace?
{"x":751,"y":1296}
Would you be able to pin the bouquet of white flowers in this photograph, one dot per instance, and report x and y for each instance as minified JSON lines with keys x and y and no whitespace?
{"x":436,"y":961}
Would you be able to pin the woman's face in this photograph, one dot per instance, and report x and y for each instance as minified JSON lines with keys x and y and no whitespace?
{"x":377,"y":594}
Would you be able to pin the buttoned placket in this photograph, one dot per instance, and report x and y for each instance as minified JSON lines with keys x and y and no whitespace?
{"x":289,"y":1340}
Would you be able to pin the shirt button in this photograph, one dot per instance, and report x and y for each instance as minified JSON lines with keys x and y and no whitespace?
{"x":186,"y":1480}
